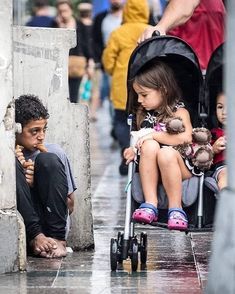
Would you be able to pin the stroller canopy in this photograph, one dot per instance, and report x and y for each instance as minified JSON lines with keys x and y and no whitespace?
{"x":181,"y":58}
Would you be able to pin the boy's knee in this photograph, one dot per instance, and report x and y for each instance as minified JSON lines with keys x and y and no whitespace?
{"x":166,"y":156}
{"x":47,"y":161}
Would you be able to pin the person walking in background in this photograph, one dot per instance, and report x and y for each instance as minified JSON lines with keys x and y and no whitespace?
{"x":156,"y":9}
{"x":199,"y":23}
{"x":41,"y":16}
{"x":84,"y":24}
{"x":77,"y":59}
{"x":104,"y":23}
{"x":115,"y":59}
{"x":88,"y":92}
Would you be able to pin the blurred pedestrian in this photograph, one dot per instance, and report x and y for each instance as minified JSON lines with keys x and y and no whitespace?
{"x":104,"y":23}
{"x":77,"y":59}
{"x":88,"y":92}
{"x":41,"y":17}
{"x":115,"y":59}
{"x":199,"y":23}
{"x":156,"y":9}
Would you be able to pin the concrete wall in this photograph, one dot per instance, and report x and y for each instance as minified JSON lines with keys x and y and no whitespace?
{"x":40,"y":68}
{"x":8,"y":218}
{"x":7,"y":173}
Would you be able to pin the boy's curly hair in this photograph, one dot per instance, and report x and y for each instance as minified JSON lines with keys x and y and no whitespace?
{"x":28,"y":108}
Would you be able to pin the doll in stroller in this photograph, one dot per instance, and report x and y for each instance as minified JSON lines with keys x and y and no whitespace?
{"x":178,"y":56}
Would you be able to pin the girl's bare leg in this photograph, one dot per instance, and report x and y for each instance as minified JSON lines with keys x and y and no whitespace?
{"x":173,"y":171}
{"x":149,"y":174}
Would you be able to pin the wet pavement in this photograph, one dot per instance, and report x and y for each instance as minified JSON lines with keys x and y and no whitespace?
{"x":176,"y":263}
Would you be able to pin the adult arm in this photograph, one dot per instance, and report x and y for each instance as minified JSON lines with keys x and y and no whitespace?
{"x":176,"y":13}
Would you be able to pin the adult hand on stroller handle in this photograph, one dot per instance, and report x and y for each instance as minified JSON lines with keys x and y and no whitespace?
{"x":151,"y":31}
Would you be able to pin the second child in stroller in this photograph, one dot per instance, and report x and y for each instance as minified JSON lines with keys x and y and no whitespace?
{"x":159,"y":99}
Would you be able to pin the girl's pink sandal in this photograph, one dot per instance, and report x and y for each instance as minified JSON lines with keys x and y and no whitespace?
{"x":177,"y":219}
{"x":146,"y":213}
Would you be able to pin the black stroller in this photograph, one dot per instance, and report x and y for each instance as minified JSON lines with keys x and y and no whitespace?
{"x":182,"y":59}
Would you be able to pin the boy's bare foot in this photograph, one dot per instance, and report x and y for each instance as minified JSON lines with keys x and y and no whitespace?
{"x":41,"y":244}
{"x":60,"y":251}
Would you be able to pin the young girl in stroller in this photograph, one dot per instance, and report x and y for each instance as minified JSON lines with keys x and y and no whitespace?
{"x":159,"y":100}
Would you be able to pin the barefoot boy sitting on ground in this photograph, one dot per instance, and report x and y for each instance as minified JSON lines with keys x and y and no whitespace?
{"x":44,"y":182}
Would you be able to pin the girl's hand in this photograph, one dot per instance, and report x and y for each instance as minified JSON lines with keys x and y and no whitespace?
{"x":29,"y":172}
{"x":129,"y":154}
{"x":140,"y":142}
{"x":219,"y":145}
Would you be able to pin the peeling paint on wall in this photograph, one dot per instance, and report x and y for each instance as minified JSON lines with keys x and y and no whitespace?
{"x":9,"y":117}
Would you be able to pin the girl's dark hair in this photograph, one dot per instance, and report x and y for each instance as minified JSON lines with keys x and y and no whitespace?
{"x":28,"y":108}
{"x":158,"y":75}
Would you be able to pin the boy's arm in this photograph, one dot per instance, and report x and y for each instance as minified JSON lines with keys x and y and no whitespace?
{"x":70,"y":202}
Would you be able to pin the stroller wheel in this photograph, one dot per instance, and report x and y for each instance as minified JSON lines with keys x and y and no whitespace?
{"x":143,"y":248}
{"x":113,"y":254}
{"x":120,"y":245}
{"x":134,"y":255}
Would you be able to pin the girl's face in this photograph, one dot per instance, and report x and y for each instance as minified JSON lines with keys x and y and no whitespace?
{"x":150,"y":99}
{"x":221,"y":110}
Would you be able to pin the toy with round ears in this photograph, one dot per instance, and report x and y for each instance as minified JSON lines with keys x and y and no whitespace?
{"x":199,"y":151}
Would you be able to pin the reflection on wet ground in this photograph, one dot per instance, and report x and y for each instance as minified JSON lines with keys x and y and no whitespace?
{"x":177,"y":263}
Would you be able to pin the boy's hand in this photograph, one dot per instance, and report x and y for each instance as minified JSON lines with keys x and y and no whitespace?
{"x":27,"y":165}
{"x":142,"y":139}
{"x":129,"y":154}
{"x":219,"y":145}
{"x":29,"y":172}
{"x":19,"y":154}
